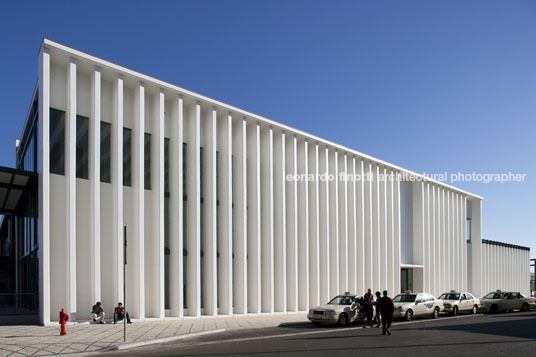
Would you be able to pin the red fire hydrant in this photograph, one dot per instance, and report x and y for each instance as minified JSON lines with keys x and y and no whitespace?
{"x":63,"y":320}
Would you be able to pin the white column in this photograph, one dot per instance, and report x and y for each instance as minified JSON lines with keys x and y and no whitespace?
{"x":193,"y":206}
{"x":397,"y":235}
{"x":367,"y":209}
{"x":383,"y":230}
{"x":280,"y":249}
{"x":352,"y":233}
{"x":267,"y":222}
{"x":240,"y":301}
{"x":303,"y":228}
{"x":464,"y":253}
{"x":334,"y":224}
{"x":314,"y":228}
{"x":176,"y":209}
{"x":292,"y":224}
{"x":426,"y":246}
{"x":376,"y":230}
{"x":94,"y":180}
{"x":70,"y":194}
{"x":136,"y":262}
{"x":361,"y":237}
{"x":225,"y":214}
{"x":43,"y":167}
{"x":476,"y":250}
{"x":342,"y":189}
{"x":158,"y":205}
{"x":323,"y":198}
{"x":392,"y":272}
{"x":209,"y":238}
{"x":418,"y":223}
{"x":457,"y":244}
{"x":254,"y":218}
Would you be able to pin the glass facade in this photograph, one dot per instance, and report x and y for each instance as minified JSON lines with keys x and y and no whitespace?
{"x":82,"y":147}
{"x":105,"y":162}
{"x":147,"y":162}
{"x":57,"y":141}
{"x":184,"y":226}
{"x":167,"y":250}
{"x":468,"y":229}
{"x":127,"y":157}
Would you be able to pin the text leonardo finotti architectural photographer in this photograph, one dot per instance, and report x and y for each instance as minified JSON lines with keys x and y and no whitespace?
{"x":214,"y":226}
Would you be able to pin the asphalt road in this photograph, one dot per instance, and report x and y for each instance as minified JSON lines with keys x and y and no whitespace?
{"x":511,"y":334}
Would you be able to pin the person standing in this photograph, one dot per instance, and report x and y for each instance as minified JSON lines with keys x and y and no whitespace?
{"x":369,"y":306}
{"x":387,"y":309}
{"x":377,"y":317}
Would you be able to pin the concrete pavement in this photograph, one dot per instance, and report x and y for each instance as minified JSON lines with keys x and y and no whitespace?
{"x":509,"y":334}
{"x":24,"y":340}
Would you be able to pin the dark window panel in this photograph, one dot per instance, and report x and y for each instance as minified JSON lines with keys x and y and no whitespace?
{"x":147,"y":161}
{"x":105,"y":146}
{"x":57,"y":141}
{"x":127,"y":157}
{"x":82,"y":147}
{"x":166,"y":165}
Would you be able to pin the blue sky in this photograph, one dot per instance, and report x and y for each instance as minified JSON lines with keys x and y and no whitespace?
{"x":432,"y":86}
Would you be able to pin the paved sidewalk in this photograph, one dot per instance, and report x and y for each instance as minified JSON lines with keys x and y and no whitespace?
{"x":84,"y":338}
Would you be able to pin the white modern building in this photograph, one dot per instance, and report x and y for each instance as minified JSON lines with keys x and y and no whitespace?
{"x":216,"y":222}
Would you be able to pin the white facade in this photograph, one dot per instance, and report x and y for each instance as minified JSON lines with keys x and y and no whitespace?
{"x":239,"y":238}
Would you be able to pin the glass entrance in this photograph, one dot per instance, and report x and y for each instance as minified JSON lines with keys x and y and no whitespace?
{"x":406,"y":279}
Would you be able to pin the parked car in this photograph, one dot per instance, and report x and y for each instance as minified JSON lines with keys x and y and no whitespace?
{"x":409,"y":305}
{"x":341,"y":310}
{"x":454,"y":302}
{"x":498,"y":301}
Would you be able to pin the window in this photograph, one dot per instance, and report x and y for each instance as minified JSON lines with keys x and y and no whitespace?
{"x":166,"y":165}
{"x":127,"y":157}
{"x":82,"y":147}
{"x":468,"y":229}
{"x":105,"y":130}
{"x":147,"y":162}
{"x":57,"y":141}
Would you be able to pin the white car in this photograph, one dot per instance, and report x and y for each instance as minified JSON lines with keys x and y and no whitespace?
{"x":341,"y":310}
{"x":409,"y":305}
{"x":499,"y":301}
{"x":454,"y":302}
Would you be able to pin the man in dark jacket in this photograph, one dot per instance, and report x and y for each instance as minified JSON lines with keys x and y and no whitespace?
{"x":369,"y":306}
{"x":387,"y":309}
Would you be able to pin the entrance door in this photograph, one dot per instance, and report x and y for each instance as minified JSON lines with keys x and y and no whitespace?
{"x":406,"y":279}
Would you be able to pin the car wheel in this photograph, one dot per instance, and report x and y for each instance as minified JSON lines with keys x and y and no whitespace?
{"x":435,"y":315}
{"x":474,"y":310}
{"x":455,"y":311}
{"x":409,"y":315}
{"x":525,"y":307}
{"x":494,"y":309}
{"x":343,"y":320}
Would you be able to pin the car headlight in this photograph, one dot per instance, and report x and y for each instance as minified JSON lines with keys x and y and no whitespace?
{"x":330,"y":312}
{"x":311,"y":311}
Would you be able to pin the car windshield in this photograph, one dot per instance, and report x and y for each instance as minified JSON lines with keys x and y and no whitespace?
{"x":341,"y":300}
{"x":494,"y":295}
{"x":404,"y":298}
{"x":450,"y":296}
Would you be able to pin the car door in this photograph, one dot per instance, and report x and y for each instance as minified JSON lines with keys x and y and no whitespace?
{"x":507,"y":302}
{"x":420,"y":305}
{"x":464,"y":303}
{"x":517,"y":302}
